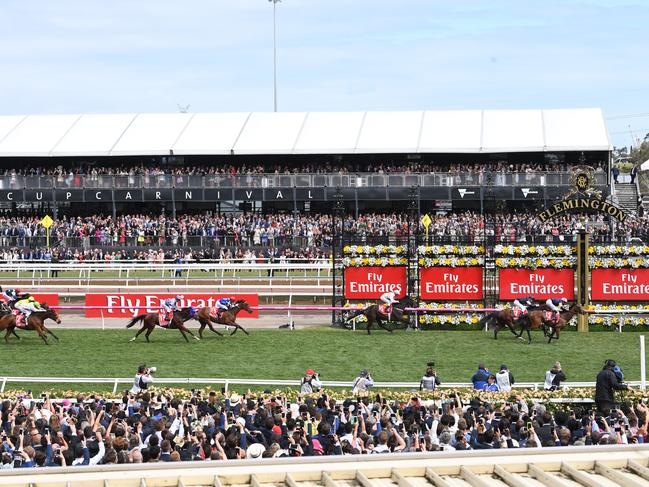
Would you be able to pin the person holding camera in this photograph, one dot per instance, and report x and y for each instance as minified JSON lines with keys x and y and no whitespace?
{"x":429,"y":381}
{"x":143,"y":378}
{"x":606,"y":383}
{"x":363,"y":383}
{"x":310,"y":382}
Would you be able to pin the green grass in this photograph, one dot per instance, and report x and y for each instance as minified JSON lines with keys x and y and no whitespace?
{"x":336,"y":354}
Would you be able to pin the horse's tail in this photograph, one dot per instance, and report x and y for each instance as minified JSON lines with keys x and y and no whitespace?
{"x":486,"y":319}
{"x":355,"y":313}
{"x":135,"y":320}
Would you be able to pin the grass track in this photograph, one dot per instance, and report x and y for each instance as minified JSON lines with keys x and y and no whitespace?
{"x":336,"y":354}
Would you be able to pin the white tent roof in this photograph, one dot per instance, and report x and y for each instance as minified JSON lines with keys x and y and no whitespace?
{"x":468,"y":131}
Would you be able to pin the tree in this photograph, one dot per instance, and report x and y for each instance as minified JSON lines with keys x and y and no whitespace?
{"x":640,"y":154}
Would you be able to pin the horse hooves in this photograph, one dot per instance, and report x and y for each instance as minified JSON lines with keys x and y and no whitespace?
{"x":132,"y":339}
{"x":520,"y":338}
{"x":197,"y":339}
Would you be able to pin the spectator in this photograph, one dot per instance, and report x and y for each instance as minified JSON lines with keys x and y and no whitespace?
{"x":491,"y":385}
{"x":480,"y":378}
{"x":504,"y":379}
{"x":554,"y":377}
{"x":142,"y":379}
{"x":606,"y":383}
{"x":363,"y":383}
{"x":616,"y":172}
{"x":430,"y":380}
{"x":310,"y":383}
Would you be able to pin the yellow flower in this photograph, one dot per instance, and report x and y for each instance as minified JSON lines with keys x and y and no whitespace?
{"x":532,"y":250}
{"x":421,"y":262}
{"x":499,"y":262}
{"x":481,"y":249}
{"x":391,"y":261}
{"x":346,"y":249}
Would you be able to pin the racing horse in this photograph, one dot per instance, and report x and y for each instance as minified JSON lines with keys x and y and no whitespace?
{"x":151,"y":320}
{"x":376,"y":313}
{"x":35,"y":322}
{"x":537,"y":319}
{"x":504,"y":318}
{"x":206,"y":316}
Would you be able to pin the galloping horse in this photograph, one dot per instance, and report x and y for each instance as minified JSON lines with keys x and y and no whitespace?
{"x":536,"y":319}
{"x":206,"y":316}
{"x":150,"y":320}
{"x":36,"y":322}
{"x":501,"y":319}
{"x":375,"y":314}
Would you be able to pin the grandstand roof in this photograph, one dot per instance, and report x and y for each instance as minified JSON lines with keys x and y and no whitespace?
{"x":468,"y":131}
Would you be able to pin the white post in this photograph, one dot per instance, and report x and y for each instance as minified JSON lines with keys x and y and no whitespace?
{"x":643,"y":372}
{"x":290,"y":301}
{"x":103,"y":321}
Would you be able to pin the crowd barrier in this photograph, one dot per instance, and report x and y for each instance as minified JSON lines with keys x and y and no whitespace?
{"x":227,"y":382}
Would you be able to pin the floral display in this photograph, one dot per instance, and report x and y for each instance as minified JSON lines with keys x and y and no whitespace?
{"x":374,"y":255}
{"x":551,"y":399}
{"x":618,"y":263}
{"x":448,"y":318}
{"x":619,"y":250}
{"x":618,"y":319}
{"x":535,"y":256}
{"x":536,"y":263}
{"x":451,"y":255}
{"x":535,"y":250}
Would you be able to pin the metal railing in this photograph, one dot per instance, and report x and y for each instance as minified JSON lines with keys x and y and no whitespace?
{"x":352,"y":180}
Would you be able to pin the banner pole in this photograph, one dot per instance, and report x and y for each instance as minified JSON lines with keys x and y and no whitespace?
{"x":643,"y":372}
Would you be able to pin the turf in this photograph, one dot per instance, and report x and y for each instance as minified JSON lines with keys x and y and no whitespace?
{"x":336,"y":354}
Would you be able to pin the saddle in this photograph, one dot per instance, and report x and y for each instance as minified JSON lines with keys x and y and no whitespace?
{"x":20,"y":319}
{"x":385,"y":309}
{"x":517,"y":313}
{"x":163,"y":319}
{"x":551,"y":316}
{"x":215,"y":312}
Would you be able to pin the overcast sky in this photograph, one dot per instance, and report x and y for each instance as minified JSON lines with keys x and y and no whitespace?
{"x":91,"y":56}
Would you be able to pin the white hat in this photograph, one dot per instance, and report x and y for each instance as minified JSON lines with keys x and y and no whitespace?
{"x":241,"y":421}
{"x":234,"y":399}
{"x":256,"y":450}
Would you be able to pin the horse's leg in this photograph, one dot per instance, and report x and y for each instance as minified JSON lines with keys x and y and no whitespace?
{"x":529,"y":336}
{"x":496,"y":329}
{"x":7,"y":334}
{"x":236,"y":327}
{"x":183,"y":329}
{"x":13,"y":332}
{"x":138,"y":333}
{"x":148,"y":332}
{"x":209,"y":323}
{"x":379,"y":322}
{"x":41,"y":334}
{"x":50,"y":332}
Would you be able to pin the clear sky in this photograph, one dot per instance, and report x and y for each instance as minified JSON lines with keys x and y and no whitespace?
{"x":91,"y":56}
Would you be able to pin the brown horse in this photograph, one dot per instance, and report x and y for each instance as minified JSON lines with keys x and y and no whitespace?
{"x":227,"y":317}
{"x":375,"y":315}
{"x":151,"y":320}
{"x":35,"y":322}
{"x":536,"y":319}
{"x":500,"y":319}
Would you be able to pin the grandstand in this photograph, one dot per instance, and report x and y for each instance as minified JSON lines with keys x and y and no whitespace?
{"x":295,"y":162}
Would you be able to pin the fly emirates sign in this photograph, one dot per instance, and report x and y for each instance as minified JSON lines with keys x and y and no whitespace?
{"x":372,"y":282}
{"x":620,"y":284}
{"x":464,"y":283}
{"x":539,"y":283}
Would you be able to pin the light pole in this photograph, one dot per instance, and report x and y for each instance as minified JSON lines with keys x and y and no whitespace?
{"x":275,"y":2}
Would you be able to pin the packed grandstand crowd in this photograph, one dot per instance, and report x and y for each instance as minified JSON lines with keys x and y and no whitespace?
{"x":149,"y":427}
{"x":70,"y":170}
{"x":236,"y":232}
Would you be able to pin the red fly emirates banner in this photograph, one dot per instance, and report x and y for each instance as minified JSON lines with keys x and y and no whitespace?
{"x":49,"y":299}
{"x":620,"y":284}
{"x":372,"y":282}
{"x":539,"y":283}
{"x":451,"y":283}
{"x":130,"y":305}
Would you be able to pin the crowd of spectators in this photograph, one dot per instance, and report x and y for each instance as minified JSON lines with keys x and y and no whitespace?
{"x":158,"y":427}
{"x":346,"y":167}
{"x":229,"y":236}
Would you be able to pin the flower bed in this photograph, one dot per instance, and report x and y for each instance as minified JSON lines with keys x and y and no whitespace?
{"x":450,"y":255}
{"x":374,"y":255}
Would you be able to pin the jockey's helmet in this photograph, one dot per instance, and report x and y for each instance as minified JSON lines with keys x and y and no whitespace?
{"x":564,"y":300}
{"x":179,"y":297}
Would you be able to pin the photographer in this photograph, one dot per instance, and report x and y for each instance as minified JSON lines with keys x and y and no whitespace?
{"x":310,"y":382}
{"x":429,"y":381}
{"x":143,"y":378}
{"x":363,"y":383}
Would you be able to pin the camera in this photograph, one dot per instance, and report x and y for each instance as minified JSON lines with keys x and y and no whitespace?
{"x":430,"y":364}
{"x":153,"y":370}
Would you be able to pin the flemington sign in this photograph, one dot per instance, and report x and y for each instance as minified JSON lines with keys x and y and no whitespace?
{"x":582,"y":197}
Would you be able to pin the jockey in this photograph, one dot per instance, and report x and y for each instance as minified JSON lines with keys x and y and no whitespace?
{"x":389,"y":298}
{"x":13,"y":295}
{"x":171,"y":304}
{"x":27,"y":306}
{"x":523,"y":303}
{"x":224,"y":304}
{"x":557,"y":304}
